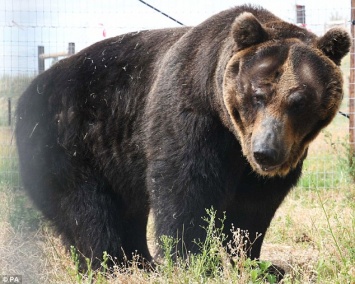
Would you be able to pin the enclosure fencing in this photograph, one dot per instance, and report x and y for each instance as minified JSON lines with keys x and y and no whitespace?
{"x":36,"y":34}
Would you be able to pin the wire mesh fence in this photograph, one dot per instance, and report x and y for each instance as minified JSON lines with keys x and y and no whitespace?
{"x":36,"y":34}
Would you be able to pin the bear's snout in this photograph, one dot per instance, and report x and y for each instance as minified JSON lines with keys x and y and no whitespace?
{"x":268,"y":148}
{"x":266,"y":157}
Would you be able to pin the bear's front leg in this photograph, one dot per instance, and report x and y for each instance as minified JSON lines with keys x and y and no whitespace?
{"x":188,"y":164}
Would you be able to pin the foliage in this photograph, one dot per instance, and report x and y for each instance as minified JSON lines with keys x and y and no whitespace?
{"x":11,"y":87}
{"x":325,"y":216}
{"x":344,"y":153}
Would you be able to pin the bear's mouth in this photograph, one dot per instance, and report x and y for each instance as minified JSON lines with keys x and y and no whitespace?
{"x":266,"y":165}
{"x":268,"y":168}
{"x":281,"y":169}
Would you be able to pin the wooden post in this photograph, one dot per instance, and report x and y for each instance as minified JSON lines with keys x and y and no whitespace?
{"x":352,"y":81}
{"x":9,"y":110}
{"x":71,"y":48}
{"x":40,"y":59}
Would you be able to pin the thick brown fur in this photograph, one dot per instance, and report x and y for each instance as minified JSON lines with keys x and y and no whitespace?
{"x":177,"y":121}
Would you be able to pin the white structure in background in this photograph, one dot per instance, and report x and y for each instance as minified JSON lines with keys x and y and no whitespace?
{"x":25,"y":25}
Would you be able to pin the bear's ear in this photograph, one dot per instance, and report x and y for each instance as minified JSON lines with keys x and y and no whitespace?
{"x":248,"y":31}
{"x":335,"y":44}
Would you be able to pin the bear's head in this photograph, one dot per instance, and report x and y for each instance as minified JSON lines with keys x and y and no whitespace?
{"x":281,"y":87}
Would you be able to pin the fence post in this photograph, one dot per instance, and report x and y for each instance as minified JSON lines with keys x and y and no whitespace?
{"x":352,"y":82}
{"x":40,"y":59}
{"x":9,"y":110}
{"x":71,"y":48}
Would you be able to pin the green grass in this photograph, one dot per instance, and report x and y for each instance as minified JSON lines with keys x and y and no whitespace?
{"x":344,"y":247}
{"x":9,"y":172}
{"x":211,"y":266}
{"x":329,"y":232}
{"x":11,"y":87}
{"x":22,"y":213}
{"x":324,"y":172}
{"x":312,"y":234}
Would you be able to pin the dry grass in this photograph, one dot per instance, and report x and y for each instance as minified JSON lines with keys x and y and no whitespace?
{"x":301,"y":237}
{"x":27,"y":251}
{"x":311,"y":236}
{"x":299,"y":240}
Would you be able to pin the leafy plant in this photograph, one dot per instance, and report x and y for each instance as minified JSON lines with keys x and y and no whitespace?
{"x":344,"y":152}
{"x":214,"y":260}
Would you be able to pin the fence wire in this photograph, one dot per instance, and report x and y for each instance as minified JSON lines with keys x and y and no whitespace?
{"x":52,"y":25}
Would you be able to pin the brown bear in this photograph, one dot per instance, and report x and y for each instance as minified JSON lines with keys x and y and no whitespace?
{"x":176,"y":121}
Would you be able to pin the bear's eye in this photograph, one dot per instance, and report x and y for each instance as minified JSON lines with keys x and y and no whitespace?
{"x":297,"y":102}
{"x":258,"y":99}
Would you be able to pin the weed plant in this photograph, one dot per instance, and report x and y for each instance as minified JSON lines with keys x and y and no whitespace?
{"x":318,"y":224}
{"x":216,"y":263}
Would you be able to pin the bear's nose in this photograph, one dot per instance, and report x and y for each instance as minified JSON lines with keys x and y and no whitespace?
{"x":266,"y":157}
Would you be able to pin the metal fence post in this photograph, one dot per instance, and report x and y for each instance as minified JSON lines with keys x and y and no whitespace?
{"x":352,"y":90}
{"x":352,"y":82}
{"x":71,"y":48}
{"x":9,"y":110}
{"x":40,"y":59}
